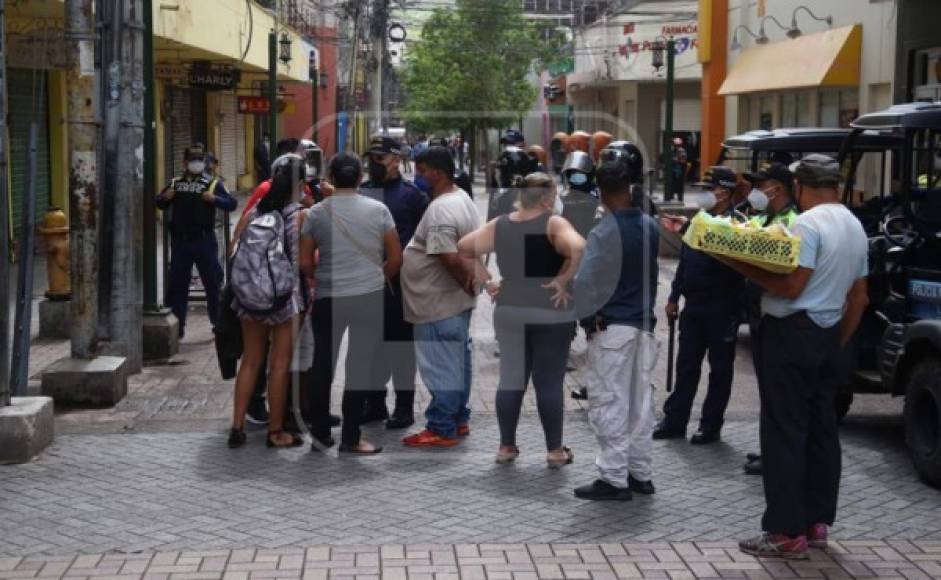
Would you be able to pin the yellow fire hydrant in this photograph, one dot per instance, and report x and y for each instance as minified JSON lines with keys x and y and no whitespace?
{"x":55,"y":232}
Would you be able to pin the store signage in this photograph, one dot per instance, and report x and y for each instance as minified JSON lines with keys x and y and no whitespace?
{"x":169,"y":71}
{"x":213,"y":78}
{"x":254,"y":105}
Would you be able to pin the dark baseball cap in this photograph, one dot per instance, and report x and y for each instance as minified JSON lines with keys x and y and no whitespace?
{"x":719,"y":176}
{"x":383,"y":144}
{"x":776,"y":171}
{"x":817,"y":170}
{"x":195,"y":151}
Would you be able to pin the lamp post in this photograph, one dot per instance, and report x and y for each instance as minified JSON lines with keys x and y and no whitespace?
{"x":662,"y":44}
{"x":273,"y":87}
{"x":319,"y":80}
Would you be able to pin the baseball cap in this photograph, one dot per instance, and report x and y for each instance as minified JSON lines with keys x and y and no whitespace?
{"x":382,"y":144}
{"x":776,"y":171}
{"x":195,"y":151}
{"x":817,"y":170}
{"x":719,"y":176}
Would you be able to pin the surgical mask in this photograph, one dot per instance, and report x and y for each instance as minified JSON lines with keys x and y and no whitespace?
{"x":196,"y":167}
{"x":578,"y":179}
{"x":377,"y":171}
{"x":707,"y":201}
{"x":310,"y":173}
{"x":422,"y":184}
{"x":758,"y":199}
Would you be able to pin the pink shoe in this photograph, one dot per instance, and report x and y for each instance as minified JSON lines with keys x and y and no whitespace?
{"x":817,"y":536}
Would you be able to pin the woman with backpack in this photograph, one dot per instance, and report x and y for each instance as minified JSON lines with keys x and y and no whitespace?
{"x":359,"y":251}
{"x":269,"y":298}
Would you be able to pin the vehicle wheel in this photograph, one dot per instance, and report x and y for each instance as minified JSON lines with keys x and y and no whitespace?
{"x":843,"y":402}
{"x":923,"y":419}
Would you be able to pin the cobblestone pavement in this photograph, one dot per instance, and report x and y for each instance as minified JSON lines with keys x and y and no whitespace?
{"x":610,"y":561}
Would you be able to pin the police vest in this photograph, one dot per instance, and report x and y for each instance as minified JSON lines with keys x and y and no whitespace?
{"x":581,"y":210}
{"x":784,"y":217}
{"x":189,"y":212}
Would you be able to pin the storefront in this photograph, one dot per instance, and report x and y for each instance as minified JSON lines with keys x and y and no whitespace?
{"x":918,"y":52}
{"x":28,"y":97}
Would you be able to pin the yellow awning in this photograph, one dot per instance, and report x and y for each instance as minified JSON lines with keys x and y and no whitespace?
{"x":825,"y":59}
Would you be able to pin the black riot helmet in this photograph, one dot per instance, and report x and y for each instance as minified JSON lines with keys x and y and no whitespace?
{"x":627,"y":153}
{"x":513,"y":165}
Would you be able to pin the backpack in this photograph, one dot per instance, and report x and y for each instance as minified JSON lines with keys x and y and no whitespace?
{"x":262,"y":273}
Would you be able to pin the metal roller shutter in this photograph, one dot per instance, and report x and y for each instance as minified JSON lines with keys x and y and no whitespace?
{"x":23,"y":86}
{"x":687,"y":114}
{"x":240,"y":142}
{"x":182,"y":127}
{"x":228,"y":156}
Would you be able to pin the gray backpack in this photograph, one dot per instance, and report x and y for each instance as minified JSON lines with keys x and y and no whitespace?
{"x":262,"y":273}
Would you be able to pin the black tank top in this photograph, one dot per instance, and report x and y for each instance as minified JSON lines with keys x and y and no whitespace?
{"x":527,"y":260}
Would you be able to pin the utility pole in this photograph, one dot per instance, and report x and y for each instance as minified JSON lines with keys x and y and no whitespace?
{"x":126,"y":317}
{"x":273,"y":86}
{"x":150,"y":164}
{"x":4,"y":223}
{"x":83,"y":176}
{"x":111,"y":23}
{"x":668,"y":125}
{"x":378,"y":33}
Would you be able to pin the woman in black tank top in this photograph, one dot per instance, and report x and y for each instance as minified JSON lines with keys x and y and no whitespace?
{"x":537,"y":254}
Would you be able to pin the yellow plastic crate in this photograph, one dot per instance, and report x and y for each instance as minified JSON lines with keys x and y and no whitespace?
{"x":767,"y":248}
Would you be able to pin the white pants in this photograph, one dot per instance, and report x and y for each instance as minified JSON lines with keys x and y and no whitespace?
{"x":620,"y":400}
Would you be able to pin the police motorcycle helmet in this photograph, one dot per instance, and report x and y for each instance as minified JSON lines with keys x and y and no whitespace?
{"x":627,"y":153}
{"x":513,"y":165}
{"x":578,"y":171}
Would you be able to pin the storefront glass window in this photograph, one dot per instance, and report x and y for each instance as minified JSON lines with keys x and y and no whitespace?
{"x":766,"y":112}
{"x":829,"y":110}
{"x":789,"y":110}
{"x":849,"y":106}
{"x":804,"y":114}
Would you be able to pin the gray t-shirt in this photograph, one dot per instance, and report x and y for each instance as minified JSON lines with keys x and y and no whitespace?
{"x":834,"y":246}
{"x":349,"y":231}
{"x":430,"y":293}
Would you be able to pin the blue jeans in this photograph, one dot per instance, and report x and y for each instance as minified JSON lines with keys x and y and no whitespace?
{"x":443,"y":352}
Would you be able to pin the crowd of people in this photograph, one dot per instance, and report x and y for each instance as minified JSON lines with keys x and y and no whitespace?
{"x":397,"y":266}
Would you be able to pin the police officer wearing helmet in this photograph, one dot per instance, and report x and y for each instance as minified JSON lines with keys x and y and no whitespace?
{"x":580,"y":198}
{"x":708,"y":324}
{"x":190,"y":202}
{"x":396,"y":356}
{"x":772,"y":196}
{"x":512,"y":166}
{"x":628,"y":153}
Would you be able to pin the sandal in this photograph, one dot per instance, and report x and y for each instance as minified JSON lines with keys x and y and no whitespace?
{"x":236,"y":437}
{"x":505,"y":457}
{"x":557,"y":463}
{"x":273,"y":438}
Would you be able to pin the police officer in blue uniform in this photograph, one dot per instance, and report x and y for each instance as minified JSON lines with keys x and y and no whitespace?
{"x":396,"y":357}
{"x":709,"y":323}
{"x":190,"y":203}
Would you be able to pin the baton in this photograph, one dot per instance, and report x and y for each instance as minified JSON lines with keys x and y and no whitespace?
{"x":670,"y":345}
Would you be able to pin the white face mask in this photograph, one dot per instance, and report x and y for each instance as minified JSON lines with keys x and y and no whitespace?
{"x":758,"y":199}
{"x":707,"y":201}
{"x":196,"y":167}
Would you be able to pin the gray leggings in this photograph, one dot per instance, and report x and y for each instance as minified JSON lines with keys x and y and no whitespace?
{"x":533,"y":344}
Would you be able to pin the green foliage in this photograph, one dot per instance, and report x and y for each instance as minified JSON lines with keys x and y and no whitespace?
{"x":470,"y":66}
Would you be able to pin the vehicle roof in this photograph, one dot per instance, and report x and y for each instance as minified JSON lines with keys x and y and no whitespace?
{"x":907,"y":115}
{"x":809,"y":139}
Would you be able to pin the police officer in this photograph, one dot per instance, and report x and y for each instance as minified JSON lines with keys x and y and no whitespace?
{"x":512,"y":166}
{"x":680,"y":165}
{"x":580,"y":199}
{"x":627,"y":152}
{"x":709,"y":323}
{"x":772,"y":195}
{"x":396,"y":356}
{"x":190,"y":202}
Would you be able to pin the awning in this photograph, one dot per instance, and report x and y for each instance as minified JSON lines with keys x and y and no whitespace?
{"x":825,"y":59}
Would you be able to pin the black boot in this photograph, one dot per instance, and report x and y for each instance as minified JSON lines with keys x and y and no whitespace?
{"x":602,"y":490}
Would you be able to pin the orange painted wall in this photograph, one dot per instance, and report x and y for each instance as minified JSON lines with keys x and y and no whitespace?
{"x":713,"y":74}
{"x":300,"y":123}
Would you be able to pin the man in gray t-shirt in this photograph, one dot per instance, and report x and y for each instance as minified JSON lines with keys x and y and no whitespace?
{"x":439,"y":289}
{"x":808,"y":317}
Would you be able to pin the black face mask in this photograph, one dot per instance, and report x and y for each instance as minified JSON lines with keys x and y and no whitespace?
{"x":377,"y":171}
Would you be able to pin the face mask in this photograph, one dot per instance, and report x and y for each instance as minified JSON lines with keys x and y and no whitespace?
{"x":577,"y":179}
{"x":377,"y":171}
{"x":196,"y":167}
{"x":707,"y":201}
{"x":758,"y":199}
{"x":422,"y":184}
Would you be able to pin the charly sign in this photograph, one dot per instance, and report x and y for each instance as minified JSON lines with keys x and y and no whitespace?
{"x":213,"y":78}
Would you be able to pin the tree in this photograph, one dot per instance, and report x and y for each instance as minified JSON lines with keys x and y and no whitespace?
{"x":468,"y":71}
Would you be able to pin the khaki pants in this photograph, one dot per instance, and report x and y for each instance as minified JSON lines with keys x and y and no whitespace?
{"x":620,"y":399}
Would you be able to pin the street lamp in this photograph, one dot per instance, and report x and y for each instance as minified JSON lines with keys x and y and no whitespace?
{"x":762,"y":37}
{"x":285,"y":48}
{"x":736,"y":45}
{"x":794,"y":31}
{"x":660,"y":45}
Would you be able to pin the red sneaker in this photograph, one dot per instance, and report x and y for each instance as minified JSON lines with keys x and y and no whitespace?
{"x":817,"y":536}
{"x":776,"y":546}
{"x":463,"y":430}
{"x":428,"y":438}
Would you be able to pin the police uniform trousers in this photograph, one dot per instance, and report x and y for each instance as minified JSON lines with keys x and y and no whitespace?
{"x":712,"y":330}
{"x":620,"y":399}
{"x":800,"y":443}
{"x":396,"y":356}
{"x":202,"y":250}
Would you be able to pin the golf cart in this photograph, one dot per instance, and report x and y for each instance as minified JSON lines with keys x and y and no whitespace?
{"x":899,"y":341}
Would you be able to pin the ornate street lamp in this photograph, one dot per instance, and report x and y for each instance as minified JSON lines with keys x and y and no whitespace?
{"x":285,"y":48}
